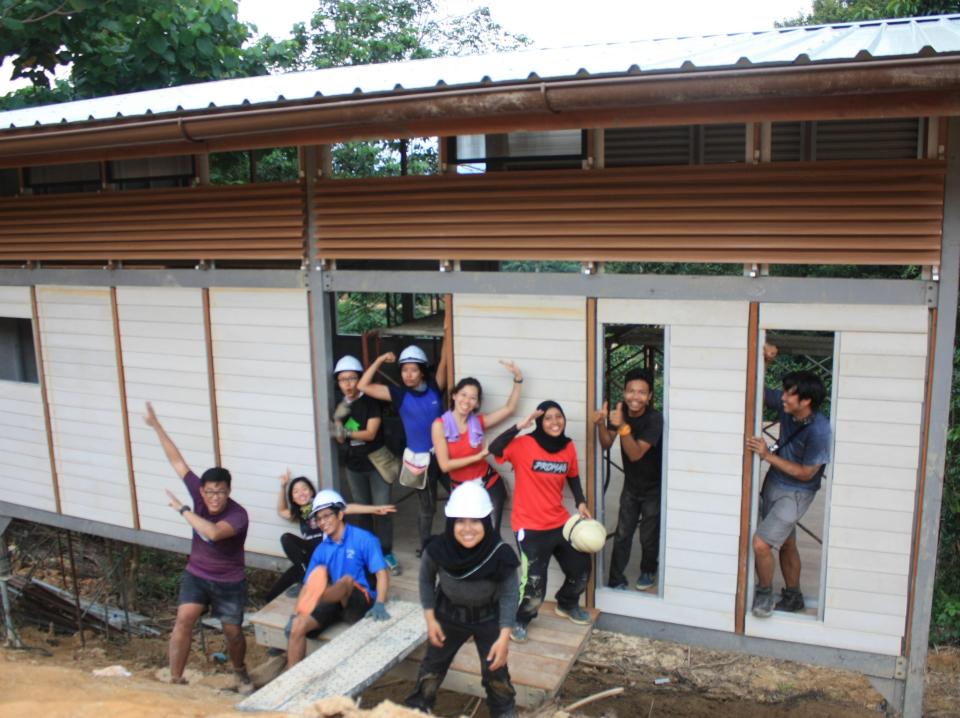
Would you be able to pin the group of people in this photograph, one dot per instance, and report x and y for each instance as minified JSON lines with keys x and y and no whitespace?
{"x":468,"y":580}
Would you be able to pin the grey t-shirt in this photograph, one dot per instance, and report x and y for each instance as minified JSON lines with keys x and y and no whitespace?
{"x":810,"y":445}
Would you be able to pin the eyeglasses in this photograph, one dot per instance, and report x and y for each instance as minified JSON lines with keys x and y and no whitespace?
{"x":325,"y":516}
{"x":212,"y":494}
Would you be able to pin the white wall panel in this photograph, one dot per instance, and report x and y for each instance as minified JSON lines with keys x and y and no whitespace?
{"x":76,"y":325}
{"x":264,"y":393}
{"x":166,"y":325}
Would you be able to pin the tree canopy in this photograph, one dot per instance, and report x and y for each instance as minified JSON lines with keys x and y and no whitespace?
{"x":825,"y":12}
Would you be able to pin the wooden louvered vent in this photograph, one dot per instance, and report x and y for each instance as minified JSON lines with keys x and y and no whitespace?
{"x":233,"y":222}
{"x":875,"y":212}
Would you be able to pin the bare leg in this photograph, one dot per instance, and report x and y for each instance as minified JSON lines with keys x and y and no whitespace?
{"x":236,"y":644}
{"x":297,"y":643}
{"x":764,"y":555}
{"x":790,"y":562}
{"x":338,"y":592}
{"x":180,"y":638}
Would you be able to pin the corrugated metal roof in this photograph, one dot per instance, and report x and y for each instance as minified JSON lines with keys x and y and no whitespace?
{"x":862,"y":42}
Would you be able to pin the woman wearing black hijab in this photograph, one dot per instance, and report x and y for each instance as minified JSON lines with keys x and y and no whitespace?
{"x":543,"y":461}
{"x":468,"y":587}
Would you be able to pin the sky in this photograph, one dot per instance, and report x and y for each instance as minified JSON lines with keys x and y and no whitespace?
{"x":562,"y":23}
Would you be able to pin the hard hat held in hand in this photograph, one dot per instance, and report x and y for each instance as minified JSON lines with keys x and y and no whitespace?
{"x":585,"y":535}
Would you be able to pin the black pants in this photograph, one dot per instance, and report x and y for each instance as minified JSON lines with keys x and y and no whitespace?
{"x":427,"y":496}
{"x":433,"y":669}
{"x":498,"y":497}
{"x":298,"y":550}
{"x":536,"y":548}
{"x":640,"y":506}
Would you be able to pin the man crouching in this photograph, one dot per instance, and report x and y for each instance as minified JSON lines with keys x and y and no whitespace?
{"x":335,"y":585}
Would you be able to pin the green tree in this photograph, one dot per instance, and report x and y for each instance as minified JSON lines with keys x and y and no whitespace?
{"x":825,"y":12}
{"x":114,"y":46}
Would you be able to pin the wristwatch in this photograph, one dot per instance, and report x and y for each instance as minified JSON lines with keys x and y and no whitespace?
{"x":183,"y":509}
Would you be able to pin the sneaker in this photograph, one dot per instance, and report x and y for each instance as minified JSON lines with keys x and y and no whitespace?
{"x":621,"y":587}
{"x":791,"y":600}
{"x":243,"y":683}
{"x":395,"y":568}
{"x":519,"y":633}
{"x":646,"y":581}
{"x":575,"y":614}
{"x":293,"y":591}
{"x":763,"y":601}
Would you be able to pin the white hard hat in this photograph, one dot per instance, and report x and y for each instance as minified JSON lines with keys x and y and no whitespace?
{"x":468,"y":501}
{"x":585,"y":535}
{"x":348,"y":363}
{"x":327,"y":499}
{"x":412,"y":355}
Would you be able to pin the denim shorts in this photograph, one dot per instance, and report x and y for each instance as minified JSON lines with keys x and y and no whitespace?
{"x":225,"y":598}
{"x":781,"y":509}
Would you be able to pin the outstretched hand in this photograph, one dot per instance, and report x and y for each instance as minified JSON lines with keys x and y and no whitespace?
{"x":600,"y":416}
{"x":285,"y":478}
{"x":150,"y":416}
{"x":616,"y":416}
{"x":513,"y":369}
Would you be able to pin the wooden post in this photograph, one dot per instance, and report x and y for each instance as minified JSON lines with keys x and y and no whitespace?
{"x":590,"y":441}
{"x":44,"y":396}
{"x":746,"y":486}
{"x":211,"y":377}
{"x":124,"y":413}
{"x":447,"y":345}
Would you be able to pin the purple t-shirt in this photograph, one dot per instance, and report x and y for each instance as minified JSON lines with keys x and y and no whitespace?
{"x":217,"y":560}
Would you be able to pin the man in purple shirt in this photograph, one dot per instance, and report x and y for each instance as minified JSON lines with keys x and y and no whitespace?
{"x":215,"y":574}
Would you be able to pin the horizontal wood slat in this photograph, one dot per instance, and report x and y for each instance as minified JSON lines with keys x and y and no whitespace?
{"x":240,"y":222}
{"x":840,"y":212}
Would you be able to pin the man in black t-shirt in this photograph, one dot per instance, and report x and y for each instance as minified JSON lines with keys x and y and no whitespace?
{"x":640,"y":428}
{"x":358,"y":431}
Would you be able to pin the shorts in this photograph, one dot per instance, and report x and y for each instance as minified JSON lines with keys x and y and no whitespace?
{"x":326,"y":614}
{"x":225,"y":598}
{"x":781,"y":508}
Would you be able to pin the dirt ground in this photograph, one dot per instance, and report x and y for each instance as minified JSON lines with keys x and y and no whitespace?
{"x":55,"y":678}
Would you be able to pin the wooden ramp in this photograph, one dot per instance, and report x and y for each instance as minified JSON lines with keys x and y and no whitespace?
{"x":346,"y":664}
{"x":538,"y":667}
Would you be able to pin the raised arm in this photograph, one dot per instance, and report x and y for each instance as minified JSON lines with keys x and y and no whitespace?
{"x":169,"y":448}
{"x":499,"y":445}
{"x":366,"y":383}
{"x":207,"y":529}
{"x":443,"y":451}
{"x":634,"y":448}
{"x":376,"y":509}
{"x":497,"y":415}
{"x":441,"y":375}
{"x":284,"y":511}
{"x":603,"y":433}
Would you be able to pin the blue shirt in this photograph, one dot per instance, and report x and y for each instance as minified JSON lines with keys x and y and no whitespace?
{"x":357,"y":552}
{"x":809,"y":447}
{"x":418,"y":410}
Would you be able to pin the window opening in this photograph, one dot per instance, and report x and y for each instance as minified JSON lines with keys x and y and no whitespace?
{"x":275,"y":164}
{"x":812,"y":351}
{"x":18,"y":359}
{"x":61,"y":179}
{"x":636,"y":538}
{"x":553,"y":149}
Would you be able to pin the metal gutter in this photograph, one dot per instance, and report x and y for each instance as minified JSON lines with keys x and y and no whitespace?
{"x":904,"y":87}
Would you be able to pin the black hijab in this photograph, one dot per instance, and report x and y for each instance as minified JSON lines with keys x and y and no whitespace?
{"x":553,"y":444}
{"x":490,"y":559}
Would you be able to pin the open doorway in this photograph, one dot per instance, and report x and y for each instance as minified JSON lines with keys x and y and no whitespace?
{"x":631,"y":437}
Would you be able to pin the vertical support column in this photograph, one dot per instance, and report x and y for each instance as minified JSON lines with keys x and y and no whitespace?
{"x":946,"y":318}
{"x":447,"y":345}
{"x":44,"y":396}
{"x":211,"y":377}
{"x":746,"y":484}
{"x":322,"y":328}
{"x":590,"y":441}
{"x":124,"y":414}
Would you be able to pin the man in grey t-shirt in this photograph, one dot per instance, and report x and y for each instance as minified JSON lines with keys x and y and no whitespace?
{"x":797,"y":462}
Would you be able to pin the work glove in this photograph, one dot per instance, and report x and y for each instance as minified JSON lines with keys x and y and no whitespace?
{"x":378,"y":612}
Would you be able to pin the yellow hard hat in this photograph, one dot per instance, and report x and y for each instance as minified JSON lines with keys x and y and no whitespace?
{"x":585,"y":535}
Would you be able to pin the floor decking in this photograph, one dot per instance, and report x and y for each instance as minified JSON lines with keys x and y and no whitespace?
{"x":538,"y":667}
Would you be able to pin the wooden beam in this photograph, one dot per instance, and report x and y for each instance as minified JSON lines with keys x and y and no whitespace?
{"x":746,"y":482}
{"x":590,"y":440}
{"x":211,"y":376}
{"x":124,"y":412}
{"x":44,"y":397}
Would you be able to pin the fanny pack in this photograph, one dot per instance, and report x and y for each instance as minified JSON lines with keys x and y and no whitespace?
{"x":413,"y":473}
{"x":386,"y":463}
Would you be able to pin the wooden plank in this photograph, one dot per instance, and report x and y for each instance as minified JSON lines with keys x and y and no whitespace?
{"x":347,"y":664}
{"x":45,"y":398}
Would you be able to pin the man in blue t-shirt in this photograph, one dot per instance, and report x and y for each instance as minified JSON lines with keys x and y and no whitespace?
{"x":797,"y":462}
{"x":335,"y":586}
